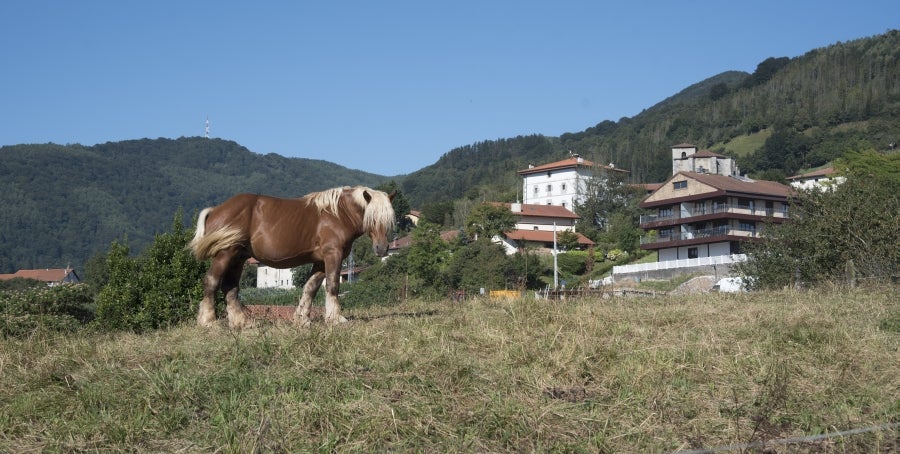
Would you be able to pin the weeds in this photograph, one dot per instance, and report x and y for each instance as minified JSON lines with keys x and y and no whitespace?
{"x":612,"y":375}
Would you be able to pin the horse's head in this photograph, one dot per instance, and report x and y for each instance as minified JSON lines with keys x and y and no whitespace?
{"x":378,"y":220}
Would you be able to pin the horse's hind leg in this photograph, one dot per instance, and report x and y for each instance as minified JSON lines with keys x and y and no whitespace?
{"x":237,"y":314}
{"x":206,"y":315}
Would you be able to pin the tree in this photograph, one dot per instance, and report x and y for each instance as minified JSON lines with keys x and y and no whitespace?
{"x":848,"y":231}
{"x":427,"y":253}
{"x":489,"y":220}
{"x":567,"y":240}
{"x":602,"y":196}
{"x":400,"y":204}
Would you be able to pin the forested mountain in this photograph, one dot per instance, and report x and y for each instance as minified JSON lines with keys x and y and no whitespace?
{"x":806,"y":111}
{"x":63,"y":204}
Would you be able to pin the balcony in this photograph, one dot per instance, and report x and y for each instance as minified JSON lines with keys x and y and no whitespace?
{"x":715,"y":209}
{"x":700,"y":234}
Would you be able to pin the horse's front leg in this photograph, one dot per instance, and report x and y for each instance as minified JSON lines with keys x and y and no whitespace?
{"x":301,"y":315}
{"x":332,"y":287}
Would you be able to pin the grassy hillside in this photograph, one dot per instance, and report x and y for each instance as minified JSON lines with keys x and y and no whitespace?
{"x":612,"y":375}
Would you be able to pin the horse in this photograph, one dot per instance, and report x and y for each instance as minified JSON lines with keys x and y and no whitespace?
{"x":318,"y":228}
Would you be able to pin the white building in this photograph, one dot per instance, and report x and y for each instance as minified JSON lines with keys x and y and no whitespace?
{"x":268,"y":277}
{"x":536,"y":226}
{"x":819,"y":179}
{"x":560,"y":183}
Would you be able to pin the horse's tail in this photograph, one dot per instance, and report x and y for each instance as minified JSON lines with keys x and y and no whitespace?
{"x":206,"y":245}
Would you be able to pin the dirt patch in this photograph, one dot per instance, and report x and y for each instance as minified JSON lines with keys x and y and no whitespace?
{"x":574,"y":394}
{"x":699,"y":284}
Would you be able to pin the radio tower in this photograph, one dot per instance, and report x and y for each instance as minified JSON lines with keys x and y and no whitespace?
{"x":207,"y":127}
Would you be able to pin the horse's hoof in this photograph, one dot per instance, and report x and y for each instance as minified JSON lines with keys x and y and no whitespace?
{"x":206,"y":322}
{"x":336,"y":321}
{"x":302,"y":322}
{"x":243,"y":322}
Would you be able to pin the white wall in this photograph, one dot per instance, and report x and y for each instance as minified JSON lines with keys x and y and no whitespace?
{"x":267,"y":277}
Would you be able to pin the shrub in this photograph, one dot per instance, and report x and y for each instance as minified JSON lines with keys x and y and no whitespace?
{"x":160,"y":288}
{"x":58,"y":308}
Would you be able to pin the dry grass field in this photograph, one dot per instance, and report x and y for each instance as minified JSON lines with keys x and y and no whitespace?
{"x":603,"y":375}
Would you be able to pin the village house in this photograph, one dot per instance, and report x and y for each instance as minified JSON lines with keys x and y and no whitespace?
{"x":561,"y":183}
{"x":707,"y":210}
{"x":536,"y":226}
{"x":818,"y":179}
{"x":52,"y":276}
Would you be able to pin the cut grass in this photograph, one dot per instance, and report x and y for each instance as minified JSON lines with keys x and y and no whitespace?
{"x":611,"y":375}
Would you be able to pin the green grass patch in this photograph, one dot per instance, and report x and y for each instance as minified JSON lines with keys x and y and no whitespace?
{"x":605,"y":375}
{"x":746,"y":144}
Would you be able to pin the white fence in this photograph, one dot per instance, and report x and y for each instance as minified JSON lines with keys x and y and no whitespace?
{"x":683,"y":263}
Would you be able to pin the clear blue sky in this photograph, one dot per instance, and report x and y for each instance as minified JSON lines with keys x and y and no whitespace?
{"x":388,"y":86}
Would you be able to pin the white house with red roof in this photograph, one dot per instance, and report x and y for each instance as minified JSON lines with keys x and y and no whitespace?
{"x":560,"y":183}
{"x":816,"y":179}
{"x":536,"y":226}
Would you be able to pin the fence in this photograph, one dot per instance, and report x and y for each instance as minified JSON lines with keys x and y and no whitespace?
{"x":683,"y":263}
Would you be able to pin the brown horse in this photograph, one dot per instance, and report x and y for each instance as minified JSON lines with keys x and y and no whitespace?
{"x":318,"y":228}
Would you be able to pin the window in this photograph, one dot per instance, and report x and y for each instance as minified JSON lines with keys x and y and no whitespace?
{"x":699,"y":207}
{"x":680,"y":184}
{"x":564,"y":204}
{"x":747,"y":226}
{"x":692,"y":253}
{"x":564,"y":187}
{"x":665,"y":212}
{"x":549,"y":188}
{"x":535,"y":190}
{"x":745,"y":204}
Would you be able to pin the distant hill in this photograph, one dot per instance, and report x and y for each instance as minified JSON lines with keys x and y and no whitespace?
{"x":789,"y":114}
{"x":63,"y":204}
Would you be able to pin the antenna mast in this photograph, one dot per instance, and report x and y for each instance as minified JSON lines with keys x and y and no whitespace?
{"x":207,"y":127}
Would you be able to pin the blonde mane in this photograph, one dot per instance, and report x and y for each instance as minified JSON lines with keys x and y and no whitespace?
{"x":378,"y":214}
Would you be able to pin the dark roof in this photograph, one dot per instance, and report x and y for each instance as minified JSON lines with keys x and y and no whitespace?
{"x":727,"y":185}
{"x":708,"y":154}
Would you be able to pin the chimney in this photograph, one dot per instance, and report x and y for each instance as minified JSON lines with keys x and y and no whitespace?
{"x":515,"y":207}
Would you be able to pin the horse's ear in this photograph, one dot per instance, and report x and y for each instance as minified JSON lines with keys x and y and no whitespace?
{"x":367,"y":196}
{"x":392,"y":194}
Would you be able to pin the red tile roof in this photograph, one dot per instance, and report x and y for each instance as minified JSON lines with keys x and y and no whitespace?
{"x":544,"y":211}
{"x":45,"y":275}
{"x":543,"y":236}
{"x":567,"y":164}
